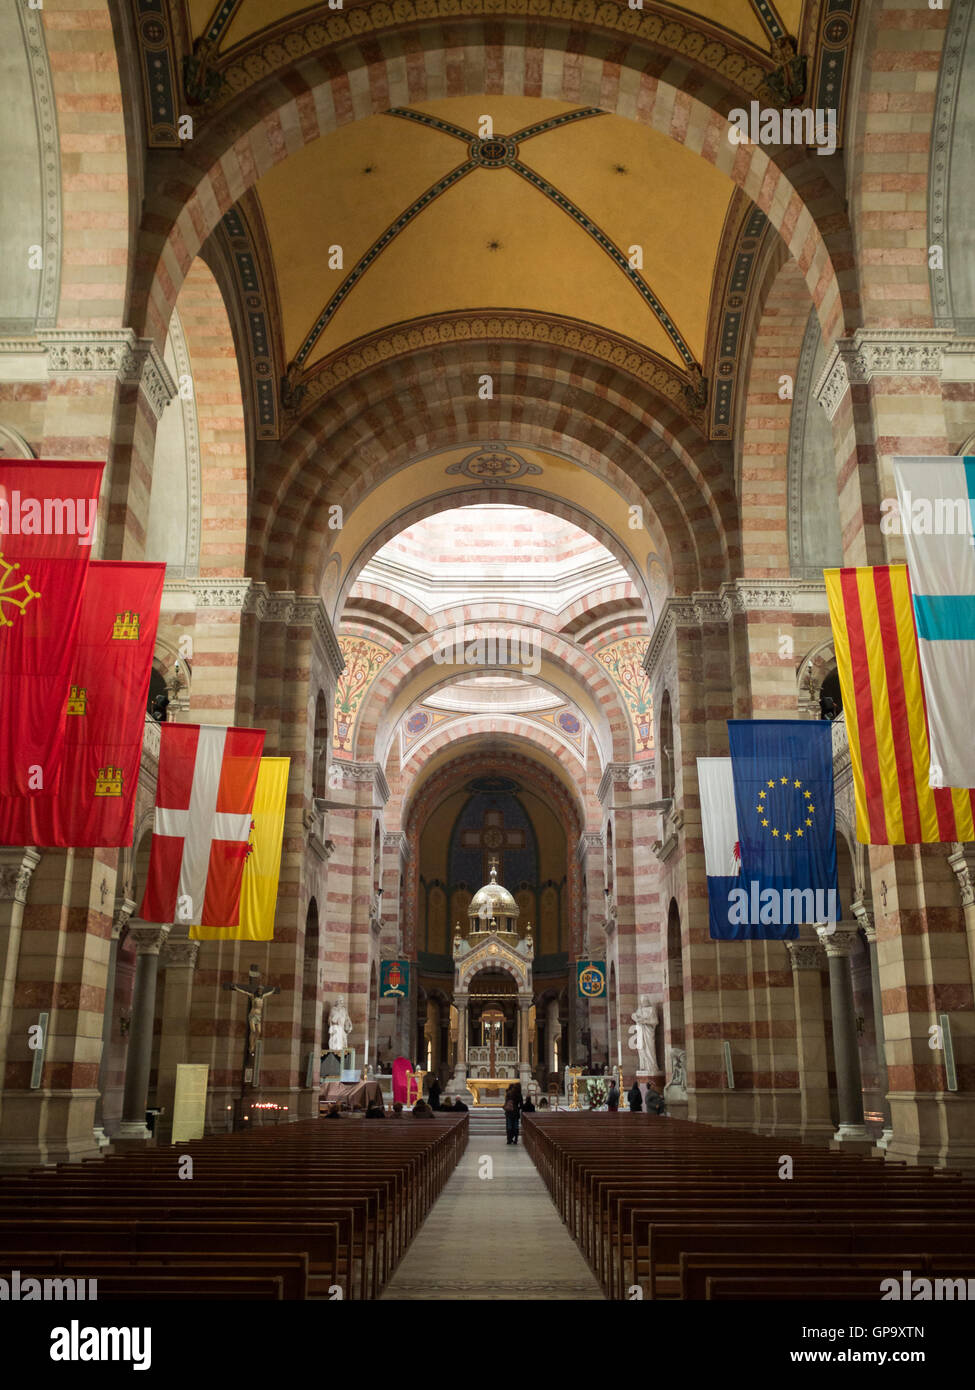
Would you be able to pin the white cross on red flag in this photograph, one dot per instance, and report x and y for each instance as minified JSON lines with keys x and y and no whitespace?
{"x":204,"y":804}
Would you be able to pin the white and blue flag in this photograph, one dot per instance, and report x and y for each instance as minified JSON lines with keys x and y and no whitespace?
{"x":722,"y":858}
{"x":936,"y":499}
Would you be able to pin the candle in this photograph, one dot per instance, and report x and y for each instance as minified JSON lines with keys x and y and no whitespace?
{"x":366,"y":1062}
{"x":619,"y":1051}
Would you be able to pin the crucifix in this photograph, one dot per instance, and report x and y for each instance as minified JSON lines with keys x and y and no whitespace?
{"x":257,"y":994}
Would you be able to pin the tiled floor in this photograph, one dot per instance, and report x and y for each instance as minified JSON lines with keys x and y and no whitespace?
{"x":493,"y":1237}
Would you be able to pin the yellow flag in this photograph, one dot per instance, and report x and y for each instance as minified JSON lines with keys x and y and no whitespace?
{"x":259,"y":888}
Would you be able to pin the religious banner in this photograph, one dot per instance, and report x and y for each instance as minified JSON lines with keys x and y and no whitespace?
{"x":47,"y":521}
{"x":106,"y":712}
{"x":936,"y":498}
{"x":394,"y":979}
{"x":262,"y":869}
{"x":204,"y":808}
{"x":591,"y":979}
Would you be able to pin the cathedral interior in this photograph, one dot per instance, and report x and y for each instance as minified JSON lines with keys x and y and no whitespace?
{"x":495,"y":414}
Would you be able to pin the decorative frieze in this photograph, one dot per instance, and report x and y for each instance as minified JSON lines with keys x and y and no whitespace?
{"x":806,"y":955}
{"x":615,"y":773}
{"x":111,"y":352}
{"x":857,"y":360}
{"x":590,"y":842}
{"x":366,"y":772}
{"x":212,"y":593}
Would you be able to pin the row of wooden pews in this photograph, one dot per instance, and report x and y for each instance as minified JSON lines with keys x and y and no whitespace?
{"x":693,"y":1211}
{"x":318,"y":1209}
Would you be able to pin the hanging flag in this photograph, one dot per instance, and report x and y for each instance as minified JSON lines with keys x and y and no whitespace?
{"x":204,"y":805}
{"x":936,"y":497}
{"x":106,"y":713}
{"x":591,"y":979}
{"x":722,"y":856}
{"x":262,"y":867}
{"x":783,"y":775}
{"x":884,"y":709}
{"x":47,"y":523}
{"x":394,"y":979}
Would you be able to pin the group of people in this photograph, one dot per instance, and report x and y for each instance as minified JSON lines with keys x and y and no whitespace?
{"x":656,"y":1105}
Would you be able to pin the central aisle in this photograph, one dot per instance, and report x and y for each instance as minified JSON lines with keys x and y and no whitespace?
{"x":496,"y":1237}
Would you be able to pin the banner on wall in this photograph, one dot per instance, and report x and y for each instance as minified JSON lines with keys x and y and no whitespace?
{"x":592,"y":979}
{"x":394,"y":979}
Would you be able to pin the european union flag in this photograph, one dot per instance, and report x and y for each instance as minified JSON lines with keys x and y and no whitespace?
{"x":783,"y":776}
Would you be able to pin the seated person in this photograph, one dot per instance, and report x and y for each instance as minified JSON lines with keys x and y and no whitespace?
{"x":397,"y":1110}
{"x":527,"y":1107}
{"x":375,"y":1110}
{"x":422,"y":1110}
{"x":543,"y":1104}
{"x":447,"y":1103}
{"x":334,"y":1111}
{"x":459,"y":1105}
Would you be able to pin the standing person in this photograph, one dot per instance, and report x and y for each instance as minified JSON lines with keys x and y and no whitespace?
{"x":635,"y":1096}
{"x":613,"y":1096}
{"x":433,"y":1095}
{"x":655,"y":1102}
{"x":512,"y":1111}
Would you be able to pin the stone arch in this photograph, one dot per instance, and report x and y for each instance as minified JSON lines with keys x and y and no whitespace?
{"x":378,"y":713}
{"x":488,"y":725}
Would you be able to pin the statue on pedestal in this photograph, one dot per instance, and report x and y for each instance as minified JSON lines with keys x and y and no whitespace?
{"x":642,"y":1034}
{"x":339,"y":1026}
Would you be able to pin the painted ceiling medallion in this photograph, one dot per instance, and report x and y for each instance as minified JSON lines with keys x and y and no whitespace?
{"x":494,"y":152}
{"x":493,"y":463}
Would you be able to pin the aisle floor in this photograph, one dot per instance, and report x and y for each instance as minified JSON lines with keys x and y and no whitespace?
{"x":493,"y":1237}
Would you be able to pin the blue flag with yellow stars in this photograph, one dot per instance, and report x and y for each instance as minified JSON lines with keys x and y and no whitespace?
{"x":783,"y":776}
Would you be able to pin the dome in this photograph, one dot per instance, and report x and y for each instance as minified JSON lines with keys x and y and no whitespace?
{"x":497,"y":900}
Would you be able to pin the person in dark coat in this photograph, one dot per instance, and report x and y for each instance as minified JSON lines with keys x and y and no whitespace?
{"x":635,"y":1096}
{"x":656,"y":1105}
{"x":613,"y":1096}
{"x":527,"y":1107}
{"x":433,"y":1095}
{"x":512,"y":1111}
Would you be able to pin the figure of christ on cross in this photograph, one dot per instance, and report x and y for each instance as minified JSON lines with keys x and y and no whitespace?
{"x":257,"y":994}
{"x":491,"y":839}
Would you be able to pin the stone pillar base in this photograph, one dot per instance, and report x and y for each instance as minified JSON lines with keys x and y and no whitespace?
{"x":132,"y":1132}
{"x":853,"y":1139}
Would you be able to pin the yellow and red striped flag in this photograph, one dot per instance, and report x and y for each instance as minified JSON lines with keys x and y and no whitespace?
{"x":883,"y":701}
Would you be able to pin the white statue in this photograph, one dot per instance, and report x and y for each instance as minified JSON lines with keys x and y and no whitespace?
{"x":339,"y":1026}
{"x":644,"y":1024}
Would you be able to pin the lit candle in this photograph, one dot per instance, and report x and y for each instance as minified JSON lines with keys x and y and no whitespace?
{"x":619,"y":1051}
{"x":366,"y":1062}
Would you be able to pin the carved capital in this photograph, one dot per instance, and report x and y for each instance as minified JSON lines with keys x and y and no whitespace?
{"x":149,"y":937}
{"x":857,"y":360}
{"x":864,"y":919}
{"x":181,"y":954}
{"x":16,"y":868}
{"x":806,"y":955}
{"x":590,"y":842}
{"x":123,"y":911}
{"x":962,"y":861}
{"x":111,"y":352}
{"x":837,"y":943}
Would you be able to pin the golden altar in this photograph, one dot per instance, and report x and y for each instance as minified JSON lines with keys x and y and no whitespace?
{"x":477,"y":1084}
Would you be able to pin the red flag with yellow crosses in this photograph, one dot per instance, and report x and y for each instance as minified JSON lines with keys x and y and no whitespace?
{"x":47,"y":524}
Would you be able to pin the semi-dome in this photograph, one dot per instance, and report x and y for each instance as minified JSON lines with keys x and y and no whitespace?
{"x":497,"y":900}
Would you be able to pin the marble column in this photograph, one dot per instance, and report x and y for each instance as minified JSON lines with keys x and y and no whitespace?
{"x":862,"y":913}
{"x":808,"y":961}
{"x":122,"y":914}
{"x":148,"y":938}
{"x":553,"y":1034}
{"x":16,"y":868}
{"x":524,"y":1064}
{"x":178,"y":961}
{"x":459,"y":1082}
{"x":846,"y":1056}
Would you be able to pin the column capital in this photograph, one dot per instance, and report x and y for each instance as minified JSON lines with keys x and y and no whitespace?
{"x":962,"y":861}
{"x":149,"y":936}
{"x":856,"y":360}
{"x":837,"y":943}
{"x":114,"y":352}
{"x":864,"y":918}
{"x":123,"y":911}
{"x":806,"y":955}
{"x":16,"y":868}
{"x":179,"y":954}
{"x":590,"y":842}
